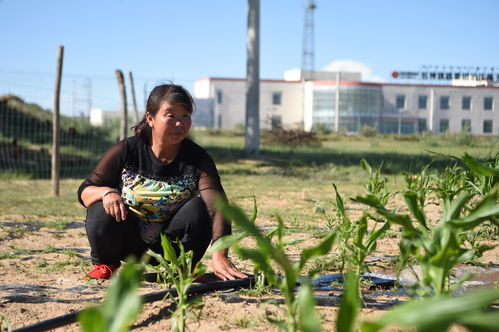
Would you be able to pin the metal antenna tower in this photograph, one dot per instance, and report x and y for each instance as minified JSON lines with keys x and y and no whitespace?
{"x":308,"y":37}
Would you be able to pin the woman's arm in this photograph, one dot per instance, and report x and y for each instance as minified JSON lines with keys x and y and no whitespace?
{"x":104,"y":181}
{"x":211,"y":189}
{"x":111,"y":200}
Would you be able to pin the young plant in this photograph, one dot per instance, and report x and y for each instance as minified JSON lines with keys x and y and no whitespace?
{"x":438,"y":250}
{"x":3,"y":319}
{"x":357,"y":241}
{"x":121,"y":306}
{"x":484,"y":176}
{"x":437,"y":314}
{"x":420,"y":183}
{"x":178,"y":271}
{"x":300,"y":313}
{"x":450,"y":183}
{"x":377,"y":183}
{"x":350,"y":304}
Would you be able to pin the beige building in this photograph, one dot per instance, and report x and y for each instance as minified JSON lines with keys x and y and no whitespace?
{"x":311,"y":99}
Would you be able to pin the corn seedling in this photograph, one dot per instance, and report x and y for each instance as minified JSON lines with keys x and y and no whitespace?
{"x":300,"y":313}
{"x":438,"y":313}
{"x":356,"y":239}
{"x":419,"y":183}
{"x":180,"y":272}
{"x":377,"y":183}
{"x":121,"y":306}
{"x":484,"y":176}
{"x":438,"y":250}
{"x":450,"y":183}
{"x":350,"y":304}
{"x":4,"y":319}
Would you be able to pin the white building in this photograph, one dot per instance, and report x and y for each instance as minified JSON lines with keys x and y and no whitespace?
{"x":309,"y":99}
{"x":202,"y":116}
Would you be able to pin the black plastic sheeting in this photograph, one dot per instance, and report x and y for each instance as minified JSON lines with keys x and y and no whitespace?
{"x":70,"y":318}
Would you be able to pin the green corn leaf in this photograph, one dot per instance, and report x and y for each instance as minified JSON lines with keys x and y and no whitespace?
{"x":478,"y":167}
{"x":158,"y":257}
{"x":480,"y":321}
{"x":436,"y":312}
{"x":255,"y":211}
{"x":376,"y":235}
{"x":411,"y":199}
{"x":227,"y":241}
{"x":350,"y":304}
{"x":400,"y":219}
{"x":168,"y":251}
{"x":452,"y":209}
{"x":122,"y":303}
{"x":339,"y":201}
{"x":309,"y":319}
{"x":361,"y":231}
{"x":365,"y":165}
{"x":321,"y":249}
{"x":264,"y":244}
{"x":290,"y":242}
{"x":487,"y":207}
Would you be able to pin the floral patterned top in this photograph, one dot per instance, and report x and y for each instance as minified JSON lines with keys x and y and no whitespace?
{"x":154,"y":191}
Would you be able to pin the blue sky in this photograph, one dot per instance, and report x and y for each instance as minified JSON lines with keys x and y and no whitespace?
{"x":186,"y":40}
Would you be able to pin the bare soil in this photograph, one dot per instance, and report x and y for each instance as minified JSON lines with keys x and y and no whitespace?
{"x":41,"y":278}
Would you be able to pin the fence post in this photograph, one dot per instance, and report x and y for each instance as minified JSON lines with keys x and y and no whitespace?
{"x":134,"y":100}
{"x":124,"y":112}
{"x":56,"y":125}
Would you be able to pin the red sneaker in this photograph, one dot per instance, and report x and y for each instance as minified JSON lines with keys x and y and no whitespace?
{"x":101,"y":271}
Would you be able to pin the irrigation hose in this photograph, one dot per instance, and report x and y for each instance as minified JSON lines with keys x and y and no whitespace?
{"x":67,"y":319}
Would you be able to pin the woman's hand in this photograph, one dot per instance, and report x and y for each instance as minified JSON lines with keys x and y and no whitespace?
{"x":223,"y":267}
{"x":114,"y":206}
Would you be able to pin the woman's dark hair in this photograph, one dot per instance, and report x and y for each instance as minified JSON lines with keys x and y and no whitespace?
{"x":165,"y":93}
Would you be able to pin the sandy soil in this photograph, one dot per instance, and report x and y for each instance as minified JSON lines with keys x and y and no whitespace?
{"x":41,"y":271}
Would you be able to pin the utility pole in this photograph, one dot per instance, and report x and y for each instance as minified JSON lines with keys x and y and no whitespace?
{"x":252,"y":126}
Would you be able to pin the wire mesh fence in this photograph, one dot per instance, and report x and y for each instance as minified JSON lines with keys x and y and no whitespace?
{"x":26,"y":140}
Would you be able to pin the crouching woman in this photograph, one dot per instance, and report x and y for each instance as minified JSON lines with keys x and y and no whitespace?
{"x":157,"y":181}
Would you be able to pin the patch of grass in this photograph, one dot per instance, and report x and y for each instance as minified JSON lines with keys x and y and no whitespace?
{"x":41,"y":264}
{"x":58,"y":224}
{"x":7,"y":255}
{"x":245,"y":322}
{"x":326,"y":264}
{"x":50,"y":249}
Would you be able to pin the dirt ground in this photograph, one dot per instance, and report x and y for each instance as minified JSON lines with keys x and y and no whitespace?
{"x":41,"y":278}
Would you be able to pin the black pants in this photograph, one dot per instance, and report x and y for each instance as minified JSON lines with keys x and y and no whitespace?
{"x":112,"y":241}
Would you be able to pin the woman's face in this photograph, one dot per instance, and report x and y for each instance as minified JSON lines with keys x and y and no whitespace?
{"x":171,"y":124}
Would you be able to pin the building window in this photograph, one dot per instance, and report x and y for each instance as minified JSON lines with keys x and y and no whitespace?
{"x":219,"y":96}
{"x":444,"y":102}
{"x":466,"y":125}
{"x":276,"y":98}
{"x":400,"y":101}
{"x":422,"y":102}
{"x":487,"y":126}
{"x":488,"y":103}
{"x":466,"y":104}
{"x":276,"y":122}
{"x":444,"y":125}
{"x":422,"y":125}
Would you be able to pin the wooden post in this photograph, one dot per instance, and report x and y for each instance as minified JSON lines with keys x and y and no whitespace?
{"x":252,"y":129}
{"x":56,"y":125}
{"x":124,"y":112}
{"x":134,"y":100}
